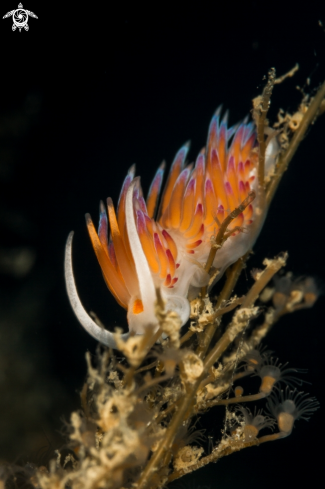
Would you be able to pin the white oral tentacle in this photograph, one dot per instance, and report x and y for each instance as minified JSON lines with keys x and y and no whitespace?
{"x":146,"y":284}
{"x":100,"y":334}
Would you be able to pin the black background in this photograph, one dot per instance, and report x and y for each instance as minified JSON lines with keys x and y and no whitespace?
{"x":88,"y":91}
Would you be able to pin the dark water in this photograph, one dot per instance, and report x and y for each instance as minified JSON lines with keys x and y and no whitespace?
{"x":84,"y":94}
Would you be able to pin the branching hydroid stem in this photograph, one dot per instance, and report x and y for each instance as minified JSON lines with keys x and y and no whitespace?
{"x":245,"y":313}
{"x":285,"y":158}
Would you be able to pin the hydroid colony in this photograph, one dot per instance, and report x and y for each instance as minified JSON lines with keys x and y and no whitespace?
{"x":160,"y":259}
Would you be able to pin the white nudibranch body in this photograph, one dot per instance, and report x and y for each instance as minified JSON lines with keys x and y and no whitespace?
{"x":168,"y":249}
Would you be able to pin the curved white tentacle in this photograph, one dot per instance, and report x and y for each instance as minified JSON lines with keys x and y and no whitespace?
{"x":100,"y":334}
{"x":146,"y":284}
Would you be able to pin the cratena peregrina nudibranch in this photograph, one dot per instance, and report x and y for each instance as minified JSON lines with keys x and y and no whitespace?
{"x":167,"y":246}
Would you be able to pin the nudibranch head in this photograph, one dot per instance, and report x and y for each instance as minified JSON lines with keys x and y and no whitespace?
{"x":167,"y":246}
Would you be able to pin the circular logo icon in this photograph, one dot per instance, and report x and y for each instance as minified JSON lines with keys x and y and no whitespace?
{"x":20,"y":19}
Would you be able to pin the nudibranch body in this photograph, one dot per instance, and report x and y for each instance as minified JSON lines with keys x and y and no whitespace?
{"x":167,"y":246}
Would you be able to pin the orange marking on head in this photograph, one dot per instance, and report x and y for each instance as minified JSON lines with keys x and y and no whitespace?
{"x":137,"y":306}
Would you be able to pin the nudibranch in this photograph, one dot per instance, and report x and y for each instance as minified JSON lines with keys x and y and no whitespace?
{"x":166,"y":246}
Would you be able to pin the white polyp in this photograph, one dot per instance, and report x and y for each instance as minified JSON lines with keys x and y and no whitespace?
{"x":178,"y":304}
{"x":100,"y":334}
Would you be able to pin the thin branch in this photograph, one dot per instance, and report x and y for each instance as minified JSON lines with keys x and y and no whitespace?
{"x":186,"y":336}
{"x":285,"y":158}
{"x":83,"y":398}
{"x":289,"y":74}
{"x":147,"y":367}
{"x":157,"y":457}
{"x":220,"y":238}
{"x":226,"y":447}
{"x":239,"y":323}
{"x":245,"y":313}
{"x":232,"y":277}
{"x":235,"y":400}
{"x":262,"y":330}
{"x":151,"y":383}
{"x":212,"y":317}
{"x":263,"y":278}
{"x":166,"y":411}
